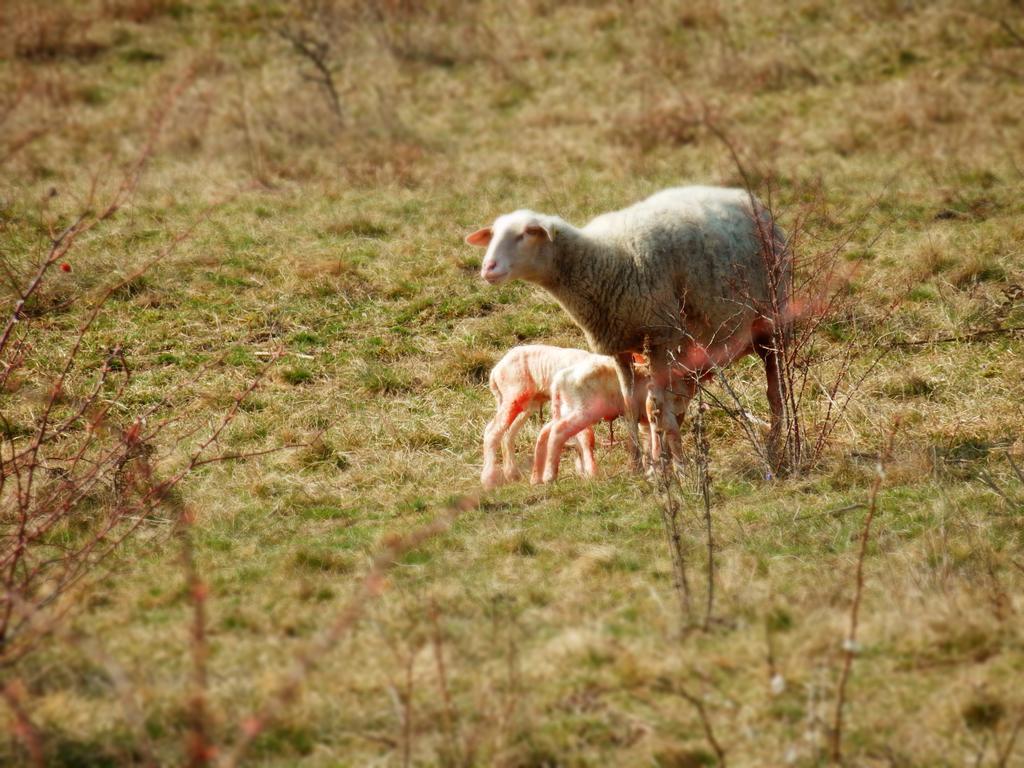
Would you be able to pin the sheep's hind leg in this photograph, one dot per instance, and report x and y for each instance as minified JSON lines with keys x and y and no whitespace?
{"x":624,"y":368}
{"x":665,"y":437}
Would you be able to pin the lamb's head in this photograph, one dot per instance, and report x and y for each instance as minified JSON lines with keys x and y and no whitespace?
{"x":519,"y":246}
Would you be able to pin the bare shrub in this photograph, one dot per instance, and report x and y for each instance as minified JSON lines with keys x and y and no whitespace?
{"x":671,"y":510}
{"x":313,"y":43}
{"x":81,"y":469}
{"x":16,"y":137}
{"x":811,"y":313}
{"x":666,"y":124}
{"x":807,"y":296}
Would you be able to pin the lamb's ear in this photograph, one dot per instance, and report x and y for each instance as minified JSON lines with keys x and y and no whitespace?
{"x":481,"y":237}
{"x":539,"y":230}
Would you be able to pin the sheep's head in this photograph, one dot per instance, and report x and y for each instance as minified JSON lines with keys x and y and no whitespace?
{"x":518,"y":247}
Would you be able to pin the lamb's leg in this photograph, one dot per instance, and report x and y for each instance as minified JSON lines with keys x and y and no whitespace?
{"x":561,"y":431}
{"x":624,"y":368}
{"x":540,"y":453}
{"x":585,"y":453}
{"x":508,"y":444}
{"x":586,"y":442}
{"x":491,"y":475}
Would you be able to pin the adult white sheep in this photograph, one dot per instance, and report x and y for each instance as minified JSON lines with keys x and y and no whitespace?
{"x":686,"y":266}
{"x":521,"y":384}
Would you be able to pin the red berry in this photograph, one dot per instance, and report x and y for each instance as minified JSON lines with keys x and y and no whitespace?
{"x":65,"y":267}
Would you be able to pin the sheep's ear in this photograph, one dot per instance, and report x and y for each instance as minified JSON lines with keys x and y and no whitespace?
{"x":481,"y":237}
{"x":538,"y":230}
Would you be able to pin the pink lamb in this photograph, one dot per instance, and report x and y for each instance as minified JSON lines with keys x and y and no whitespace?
{"x":521,"y":383}
{"x":582,"y":396}
{"x":589,"y":392}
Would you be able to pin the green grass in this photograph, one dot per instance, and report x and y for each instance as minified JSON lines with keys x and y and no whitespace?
{"x":339,"y":246}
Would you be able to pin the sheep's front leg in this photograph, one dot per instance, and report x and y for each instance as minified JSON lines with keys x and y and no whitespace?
{"x":624,"y":368}
{"x":661,"y":416}
{"x":683,"y":392}
{"x":664,"y":425}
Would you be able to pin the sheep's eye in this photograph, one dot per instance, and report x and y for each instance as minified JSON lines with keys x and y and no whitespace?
{"x":520,"y":236}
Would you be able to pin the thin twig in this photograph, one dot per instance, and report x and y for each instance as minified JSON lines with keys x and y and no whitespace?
{"x":1018,"y":38}
{"x":13,"y":692}
{"x":704,"y":481}
{"x":448,"y":709}
{"x":850,"y":643}
{"x":670,"y":516}
{"x":1003,"y":758}
{"x":709,"y":732}
{"x":407,"y":694}
{"x":317,"y":53}
{"x":199,"y":748}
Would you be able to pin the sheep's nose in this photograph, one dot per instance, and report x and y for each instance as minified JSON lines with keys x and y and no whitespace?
{"x":492,"y":273}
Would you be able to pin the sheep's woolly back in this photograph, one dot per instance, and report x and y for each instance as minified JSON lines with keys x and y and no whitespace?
{"x":684,"y":263}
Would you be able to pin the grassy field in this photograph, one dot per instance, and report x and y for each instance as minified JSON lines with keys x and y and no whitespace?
{"x":542,"y":627}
